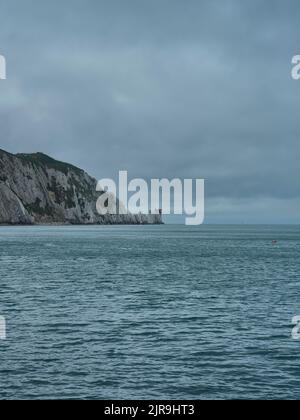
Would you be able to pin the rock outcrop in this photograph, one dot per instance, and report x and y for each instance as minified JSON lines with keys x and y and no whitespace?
{"x":36,"y":189}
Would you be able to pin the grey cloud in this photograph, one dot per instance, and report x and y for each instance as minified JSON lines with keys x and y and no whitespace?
{"x":163,"y":88}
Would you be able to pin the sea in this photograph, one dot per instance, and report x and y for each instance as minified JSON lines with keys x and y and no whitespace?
{"x":150,"y":312}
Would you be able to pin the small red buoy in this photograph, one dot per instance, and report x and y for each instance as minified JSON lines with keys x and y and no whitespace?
{"x":274,"y":242}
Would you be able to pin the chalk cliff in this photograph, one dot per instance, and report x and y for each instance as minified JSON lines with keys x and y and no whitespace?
{"x":36,"y":189}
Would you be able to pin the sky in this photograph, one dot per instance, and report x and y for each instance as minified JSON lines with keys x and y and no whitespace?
{"x":162,"y":89}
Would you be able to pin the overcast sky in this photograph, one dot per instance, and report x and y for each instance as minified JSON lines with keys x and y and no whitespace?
{"x":161,"y":88}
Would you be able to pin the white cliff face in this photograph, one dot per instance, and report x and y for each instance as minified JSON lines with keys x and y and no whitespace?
{"x":35,"y":189}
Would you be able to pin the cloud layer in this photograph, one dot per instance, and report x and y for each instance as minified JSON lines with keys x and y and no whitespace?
{"x":161,"y":88}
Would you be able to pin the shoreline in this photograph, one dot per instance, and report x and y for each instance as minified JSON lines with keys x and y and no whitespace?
{"x":77,"y":224}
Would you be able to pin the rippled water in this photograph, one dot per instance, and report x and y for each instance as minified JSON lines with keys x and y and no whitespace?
{"x":149,"y":312}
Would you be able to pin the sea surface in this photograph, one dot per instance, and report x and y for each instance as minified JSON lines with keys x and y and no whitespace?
{"x":150,"y":312}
